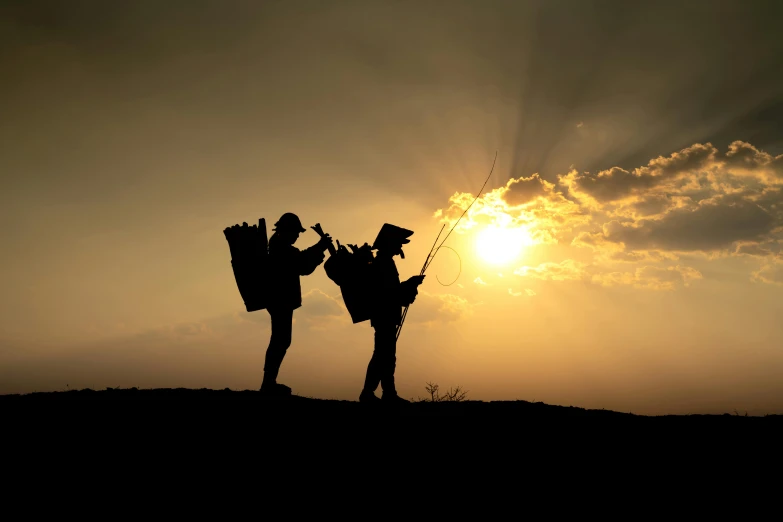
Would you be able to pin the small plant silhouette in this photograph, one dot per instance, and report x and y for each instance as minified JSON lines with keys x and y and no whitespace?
{"x":456,"y":394}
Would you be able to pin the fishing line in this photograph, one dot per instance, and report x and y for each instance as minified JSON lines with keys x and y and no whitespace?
{"x":460,"y":267}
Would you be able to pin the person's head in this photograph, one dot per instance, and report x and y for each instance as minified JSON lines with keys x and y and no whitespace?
{"x":288,"y":227}
{"x":390,"y":240}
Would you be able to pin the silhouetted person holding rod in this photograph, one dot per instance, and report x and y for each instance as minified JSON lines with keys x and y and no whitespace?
{"x":389,"y":296}
{"x":286,"y":264}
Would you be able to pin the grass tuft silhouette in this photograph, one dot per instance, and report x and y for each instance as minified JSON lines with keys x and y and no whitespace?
{"x":451,"y":395}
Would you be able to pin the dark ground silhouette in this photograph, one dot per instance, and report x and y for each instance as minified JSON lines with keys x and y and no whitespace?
{"x":254,"y":401}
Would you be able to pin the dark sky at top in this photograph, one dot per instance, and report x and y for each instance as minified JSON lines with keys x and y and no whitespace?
{"x":658,"y":76}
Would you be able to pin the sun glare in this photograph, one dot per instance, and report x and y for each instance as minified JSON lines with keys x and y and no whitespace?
{"x":500,"y":245}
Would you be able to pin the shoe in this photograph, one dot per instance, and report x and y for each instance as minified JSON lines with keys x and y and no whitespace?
{"x":275,"y":390}
{"x":393,"y":398}
{"x":369,"y":397}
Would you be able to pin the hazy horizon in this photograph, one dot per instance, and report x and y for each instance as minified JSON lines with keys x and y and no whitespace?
{"x":627,"y":253}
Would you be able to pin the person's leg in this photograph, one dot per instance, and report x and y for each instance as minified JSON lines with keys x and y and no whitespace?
{"x":374,"y":368}
{"x":386,"y":340}
{"x":279,"y":342}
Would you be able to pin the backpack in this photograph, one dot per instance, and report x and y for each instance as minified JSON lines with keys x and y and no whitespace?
{"x":249,"y":248}
{"x":351,"y":271}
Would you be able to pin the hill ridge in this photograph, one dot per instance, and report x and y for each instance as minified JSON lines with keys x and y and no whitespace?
{"x":311,"y":405}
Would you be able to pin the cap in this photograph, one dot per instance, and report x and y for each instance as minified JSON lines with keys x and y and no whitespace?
{"x":391,"y":235}
{"x":289,"y":221}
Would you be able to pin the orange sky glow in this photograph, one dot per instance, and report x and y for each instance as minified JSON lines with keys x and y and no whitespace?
{"x":626,"y":253}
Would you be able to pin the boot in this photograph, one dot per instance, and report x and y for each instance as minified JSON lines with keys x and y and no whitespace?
{"x":390,"y":390}
{"x":271,"y":388}
{"x":368,"y":397}
{"x":282,"y":389}
{"x":275,"y":390}
{"x":393,"y":398}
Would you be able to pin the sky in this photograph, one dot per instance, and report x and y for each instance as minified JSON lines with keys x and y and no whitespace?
{"x":626,"y":254}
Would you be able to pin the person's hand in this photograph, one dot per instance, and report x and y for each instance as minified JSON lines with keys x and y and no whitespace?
{"x":417,"y":280}
{"x":325,"y":241}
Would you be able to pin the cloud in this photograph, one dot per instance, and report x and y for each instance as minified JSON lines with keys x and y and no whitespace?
{"x":437,"y":308}
{"x":480,"y":281}
{"x":208,"y":330}
{"x":515,"y":294}
{"x":257,"y":317}
{"x":771,"y":249}
{"x":316,"y":303}
{"x":568,"y":270}
{"x":770,"y":273}
{"x":746,"y":157}
{"x":531,"y":203}
{"x":639,"y":256}
{"x":320,"y":310}
{"x":610,"y":252}
{"x":522,"y":190}
{"x":696,"y":201}
{"x":190,"y":329}
{"x":529,"y":292}
{"x":650,"y":277}
{"x":617,"y":183}
{"x":238,"y":329}
{"x":710,"y":226}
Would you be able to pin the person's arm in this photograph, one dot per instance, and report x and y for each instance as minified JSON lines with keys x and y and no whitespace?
{"x":308,"y":259}
{"x":409,"y":289}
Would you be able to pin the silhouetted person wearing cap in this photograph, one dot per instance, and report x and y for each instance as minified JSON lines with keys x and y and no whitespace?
{"x":286,"y":264}
{"x":389,"y":297}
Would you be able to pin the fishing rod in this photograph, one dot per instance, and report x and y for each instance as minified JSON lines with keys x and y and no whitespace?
{"x":423,"y":268}
{"x":434,"y":251}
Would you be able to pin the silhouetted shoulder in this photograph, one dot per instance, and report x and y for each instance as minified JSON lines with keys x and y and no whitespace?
{"x":384,"y":267}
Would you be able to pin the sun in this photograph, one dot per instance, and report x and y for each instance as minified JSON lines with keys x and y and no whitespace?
{"x":500,"y":245}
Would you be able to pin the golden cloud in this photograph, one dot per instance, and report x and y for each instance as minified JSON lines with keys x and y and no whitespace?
{"x":650,"y":277}
{"x":769,"y":273}
{"x":440,"y":308}
{"x":316,"y":303}
{"x":747,"y":159}
{"x":320,"y":311}
{"x":608,"y":251}
{"x":772,"y":249}
{"x":568,"y":270}
{"x":696,"y":201}
{"x":617,"y":184}
{"x":530,"y":203}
